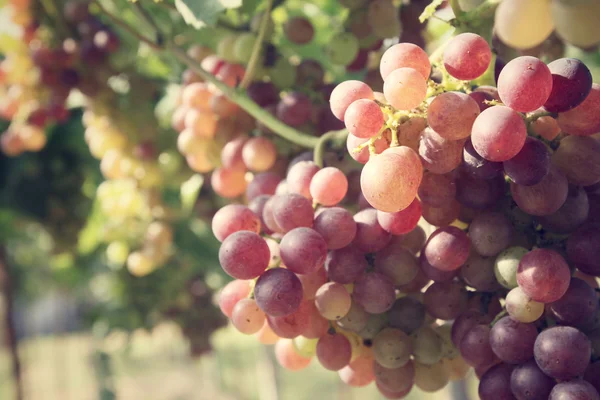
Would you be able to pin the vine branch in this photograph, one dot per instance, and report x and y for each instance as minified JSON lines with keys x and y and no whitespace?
{"x":256,"y":50}
{"x":335,"y":137}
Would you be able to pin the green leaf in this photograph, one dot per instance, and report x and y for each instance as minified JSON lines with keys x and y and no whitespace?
{"x":199,"y":13}
{"x":250,"y":6}
{"x":189,"y":192}
{"x":430,"y":10}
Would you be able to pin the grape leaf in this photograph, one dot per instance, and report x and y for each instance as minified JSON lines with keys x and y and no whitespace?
{"x":430,"y":10}
{"x":189,"y":192}
{"x":199,"y":13}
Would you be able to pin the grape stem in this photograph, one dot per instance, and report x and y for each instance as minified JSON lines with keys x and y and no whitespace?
{"x":532,"y":117}
{"x":498,"y":317}
{"x":336,"y":138}
{"x":458,"y":11}
{"x":256,"y":50}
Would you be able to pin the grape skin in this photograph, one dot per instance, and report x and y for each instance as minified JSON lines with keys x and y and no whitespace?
{"x":571,"y":84}
{"x":405,"y":88}
{"x":523,"y":25}
{"x":467,"y":56}
{"x":347,"y":93}
{"x":527,"y":381}
{"x":244,"y":255}
{"x":447,"y":248}
{"x":278,"y":292}
{"x":404,"y":55}
{"x":512,"y":341}
{"x":530,"y":165}
{"x":364,"y":118}
{"x":562,"y":352}
{"x":544,"y":198}
{"x":334,"y":351}
{"x":303,"y":250}
{"x":233,"y":218}
{"x":543,"y":275}
{"x":395,"y":379}
{"x":452,"y":114}
{"x":583,"y":120}
{"x":498,"y":134}
{"x":578,"y":157}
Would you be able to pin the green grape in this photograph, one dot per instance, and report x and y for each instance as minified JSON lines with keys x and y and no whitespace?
{"x":577,"y":23}
{"x":256,"y":21}
{"x":374,"y":325}
{"x":383,"y":19}
{"x":225,"y":47}
{"x":431,"y":378}
{"x":427,"y":346}
{"x":353,"y":4}
{"x":523,"y":24}
{"x":242,"y":49}
{"x":304,"y":346}
{"x":117,"y":253}
{"x":506,"y":265}
{"x":283,"y":74}
{"x":449,"y":351}
{"x":170,"y":162}
{"x":392,"y":348}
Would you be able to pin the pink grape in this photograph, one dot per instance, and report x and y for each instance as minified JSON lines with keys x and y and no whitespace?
{"x":299,"y":177}
{"x":278,"y":292}
{"x":547,"y":127}
{"x":525,"y":84}
{"x":347,"y":93}
{"x":439,"y":155}
{"x":364,"y":118}
{"x":292,"y":211}
{"x":358,"y":373}
{"x":543,"y":275}
{"x":303,"y":250}
{"x":312,"y":282}
{"x":264,"y":183}
{"x":317,"y":326}
{"x":443,"y":215}
{"x":233,"y":218}
{"x":333,"y":301}
{"x":337,"y":226}
{"x":405,"y":55}
{"x":374,"y":292}
{"x":583,"y":120}
{"x":268,"y":217}
{"x":544,"y":198}
{"x":291,"y":325}
{"x":345,"y":265}
{"x":395,"y":379}
{"x":259,"y":154}
{"x":405,"y":88}
{"x":287,"y":356}
{"x":370,"y":236}
{"x":467,"y":56}
{"x":401,"y":222}
{"x":446,"y":300}
{"x":247,"y":317}
{"x":244,"y":255}
{"x":334,"y":351}
{"x":231,"y":293}
{"x":231,"y":155}
{"x":437,"y":190}
{"x":498,"y":134}
{"x":328,"y":186}
{"x":452,"y":115}
{"x":352,"y":142}
{"x":390,"y":181}
{"x":578,"y":157}
{"x":447,"y":248}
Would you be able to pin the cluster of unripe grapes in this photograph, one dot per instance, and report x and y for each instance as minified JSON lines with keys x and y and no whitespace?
{"x":475,"y":244}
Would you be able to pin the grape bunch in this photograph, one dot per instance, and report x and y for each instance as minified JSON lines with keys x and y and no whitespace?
{"x":471,"y":239}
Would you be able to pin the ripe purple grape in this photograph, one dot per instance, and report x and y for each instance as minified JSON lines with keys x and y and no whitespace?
{"x":244,"y":255}
{"x":562,"y":352}
{"x":530,"y":165}
{"x":571,"y":84}
{"x":303,"y":250}
{"x":278,"y":292}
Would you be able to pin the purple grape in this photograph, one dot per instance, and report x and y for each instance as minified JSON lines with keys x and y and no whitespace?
{"x":294,"y":109}
{"x":574,"y":390}
{"x":292,"y":211}
{"x":562,"y":352}
{"x":479,"y":193}
{"x":495,"y":383}
{"x":244,"y":255}
{"x":571,"y":83}
{"x":512,"y":341}
{"x":573,"y":213}
{"x":478,"y":272}
{"x":447,"y":248}
{"x":436,"y":275}
{"x":303,"y":250}
{"x":528,"y":382}
{"x":374,"y":292}
{"x":577,"y":306}
{"x":475,"y":346}
{"x":263,"y":93}
{"x":530,"y":165}
{"x":406,"y":314}
{"x":465,"y":322}
{"x":592,"y":374}
{"x":337,"y":227}
{"x":345,"y":265}
{"x":370,"y":236}
{"x":583,"y":249}
{"x":490,"y":233}
{"x":278,"y":292}
{"x":478,"y":166}
{"x":445,"y":300}
{"x":263,"y":183}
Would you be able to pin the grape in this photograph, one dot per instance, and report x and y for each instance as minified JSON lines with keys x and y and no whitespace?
{"x":233,"y":218}
{"x":576,"y":389}
{"x":347,"y":93}
{"x":188,"y":143}
{"x":447,"y":248}
{"x":299,"y":30}
{"x":288,"y":358}
{"x":294,"y":109}
{"x":291,"y":325}
{"x":292,"y":211}
{"x":413,"y":241}
{"x":231,"y":293}
{"x":439,"y":155}
{"x":577,"y":306}
{"x":592,"y":374}
{"x":375,"y":292}
{"x":382,"y":17}
{"x":355,"y":319}
{"x":247,"y":317}
{"x":303,"y":250}
{"x":435,"y":274}
{"x":243,"y":46}
{"x":478,"y":166}
{"x":312,"y":282}
{"x":299,"y":177}
{"x":401,"y":222}
{"x":583,"y":249}
{"x":478,"y":272}
{"x":259,"y":154}
{"x":544,"y":198}
{"x":309,"y":73}
{"x":409,"y":133}
{"x":345,"y":265}
{"x":405,"y":55}
{"x":364,"y":118}
{"x":431,"y":378}
{"x":521,"y":307}
{"x":374,"y":325}
{"x":523,"y":25}
{"x":578,"y":157}
{"x":427,"y":346}
{"x":405,"y":88}
{"x":304,"y":346}
{"x":475,"y":346}
{"x":244,"y":255}
{"x":437,"y":190}
{"x":333,"y":300}
{"x":263,"y":93}
{"x":465,"y":322}
{"x":467,"y":56}
{"x":495,"y":383}
{"x":512,"y":341}
{"x":370,"y":236}
{"x":334,"y":351}
{"x":571,"y":84}
{"x":342,"y":48}
{"x":264,"y":183}
{"x":228,"y":183}
{"x":336,"y":226}
{"x":546,"y":127}
{"x":266,"y":335}
{"x":358,"y":373}
{"x":406,"y":314}
{"x":316,"y":325}
{"x":498,"y":134}
{"x":483,"y":93}
{"x":490,"y":233}
{"x":395,"y":379}
{"x":543,"y":275}
{"x":352,"y":142}
{"x":278,"y":292}
{"x":283,"y":74}
{"x":584,"y":119}
{"x":451,"y":115}
{"x":390,"y":394}
{"x":528,"y":382}
{"x":445,"y":300}
{"x":392,"y":348}
{"x":328,"y":186}
{"x":231,"y":155}
{"x":530,"y":165}
{"x":398,"y":264}
{"x":562,"y":352}
{"x":577,"y":23}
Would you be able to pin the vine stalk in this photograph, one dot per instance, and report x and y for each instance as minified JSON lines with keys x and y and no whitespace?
{"x":256,"y":50}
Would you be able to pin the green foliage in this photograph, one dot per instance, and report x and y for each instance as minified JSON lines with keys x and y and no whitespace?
{"x":199,"y":13}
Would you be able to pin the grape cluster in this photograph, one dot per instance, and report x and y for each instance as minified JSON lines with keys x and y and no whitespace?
{"x":475,"y":243}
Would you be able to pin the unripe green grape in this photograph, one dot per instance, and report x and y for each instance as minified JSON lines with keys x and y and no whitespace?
{"x":170,"y":162}
{"x":117,"y":252}
{"x":343,"y":48}
{"x":353,"y":4}
{"x":506,"y":265}
{"x":427,"y":346}
{"x":283,"y":74}
{"x":304,"y":346}
{"x":383,"y":19}
{"x":243,"y":47}
{"x":225,"y":48}
{"x":449,"y":350}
